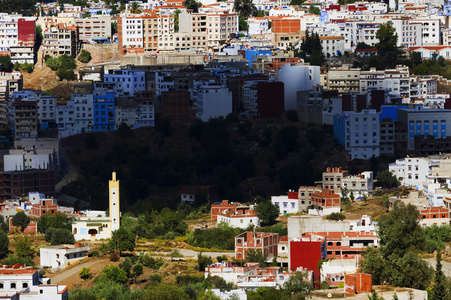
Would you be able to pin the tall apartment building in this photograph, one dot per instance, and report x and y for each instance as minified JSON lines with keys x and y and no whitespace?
{"x":60,"y":39}
{"x":344,"y":80}
{"x":212,"y":101}
{"x":431,"y":31}
{"x":126,"y":82}
{"x":145,"y":32}
{"x":17,"y":36}
{"x":220,"y":27}
{"x":358,"y":132}
{"x":97,"y":28}
{"x":263,"y":99}
{"x":76,"y":116}
{"x":285,"y":32}
{"x":25,"y":118}
{"x":396,"y":80}
{"x":419,"y":122}
{"x":193,"y":31}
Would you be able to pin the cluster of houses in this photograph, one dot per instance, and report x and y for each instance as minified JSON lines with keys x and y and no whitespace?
{"x":327,"y":250}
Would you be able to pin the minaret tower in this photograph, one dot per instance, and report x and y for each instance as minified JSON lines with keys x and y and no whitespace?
{"x":114,"y":203}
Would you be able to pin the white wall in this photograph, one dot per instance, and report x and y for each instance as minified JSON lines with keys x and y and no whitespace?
{"x":297,"y":78}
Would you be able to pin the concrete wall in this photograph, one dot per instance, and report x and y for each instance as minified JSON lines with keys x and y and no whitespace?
{"x":161,"y":59}
{"x":297,"y":225}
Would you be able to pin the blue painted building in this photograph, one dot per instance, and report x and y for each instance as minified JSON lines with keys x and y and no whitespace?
{"x":390,"y":112}
{"x":254,"y":52}
{"x":104,"y":112}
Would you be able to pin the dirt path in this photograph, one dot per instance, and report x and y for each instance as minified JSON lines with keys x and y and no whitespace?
{"x":446,"y":266}
{"x":66,"y":276}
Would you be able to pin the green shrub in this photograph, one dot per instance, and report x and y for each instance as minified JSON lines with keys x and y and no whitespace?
{"x":85,"y":273}
{"x":95,"y":253}
{"x":85,"y":56}
{"x":336,"y":216}
{"x":65,"y":74}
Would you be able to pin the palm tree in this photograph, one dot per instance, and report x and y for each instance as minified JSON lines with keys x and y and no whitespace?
{"x":134,"y":9}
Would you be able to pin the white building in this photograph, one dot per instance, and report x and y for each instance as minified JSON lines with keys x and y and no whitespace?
{"x":127,"y":82}
{"x":297,"y":78}
{"x":239,"y":221}
{"x":86,"y":228}
{"x":396,"y":80}
{"x":413,"y":171}
{"x":285,"y":204}
{"x":213,"y":101}
{"x":358,"y":133}
{"x":76,"y":116}
{"x":431,"y":35}
{"x":60,"y":256}
{"x":332,"y":45}
{"x":258,"y":25}
{"x":23,"y":282}
{"x":26,"y":159}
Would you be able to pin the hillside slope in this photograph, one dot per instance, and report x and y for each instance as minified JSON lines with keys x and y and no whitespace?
{"x":242,"y":160}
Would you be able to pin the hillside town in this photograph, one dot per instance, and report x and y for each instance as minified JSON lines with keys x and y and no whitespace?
{"x":246,"y":149}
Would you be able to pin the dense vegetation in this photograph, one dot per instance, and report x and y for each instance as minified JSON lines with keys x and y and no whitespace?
{"x":111,"y":284}
{"x":63,"y":65}
{"x":238,"y":160}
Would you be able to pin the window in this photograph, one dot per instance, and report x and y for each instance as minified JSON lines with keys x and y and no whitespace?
{"x":24,"y":285}
{"x":13,"y":285}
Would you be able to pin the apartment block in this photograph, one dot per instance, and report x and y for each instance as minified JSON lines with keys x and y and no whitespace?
{"x":17,"y":36}
{"x":344,"y":80}
{"x":97,"y":28}
{"x":358,"y":133}
{"x":413,"y":171}
{"x":286,"y":31}
{"x":263,"y":99}
{"x":60,"y":39}
{"x":76,"y":116}
{"x":424,"y":122}
{"x":264,"y":242}
{"x":145,"y":33}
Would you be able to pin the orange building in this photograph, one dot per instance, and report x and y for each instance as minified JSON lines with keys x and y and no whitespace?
{"x":266,"y":242}
{"x":286,"y":26}
{"x":325,"y":199}
{"x":434,"y":216}
{"x":218,"y":208}
{"x":358,"y":283}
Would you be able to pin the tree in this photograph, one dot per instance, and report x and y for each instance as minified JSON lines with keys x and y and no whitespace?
{"x":59,"y":236}
{"x":113,"y":273}
{"x":388,"y":38}
{"x":122,"y":240}
{"x":3,"y":224}
{"x":193,"y":5}
{"x":297,"y":286}
{"x":56,"y":220}
{"x":85,"y":56}
{"x":23,"y":248}
{"x":374,"y":296}
{"x":65,"y":74}
{"x":165,"y":292}
{"x":438,"y":290}
{"x":296,"y":2}
{"x":415,"y":58}
{"x":311,"y":49}
{"x":396,"y":262}
{"x":85,"y":273}
{"x":242,"y":23}
{"x":363,"y":45}
{"x":135,"y":8}
{"x":203,"y":261}
{"x":21,"y":220}
{"x":5,"y":63}
{"x":314,"y":10}
{"x":176,"y":19}
{"x":245,"y":8}
{"x":267,"y":213}
{"x":387,"y":180}
{"x":4,"y":243}
{"x":256,"y":255}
